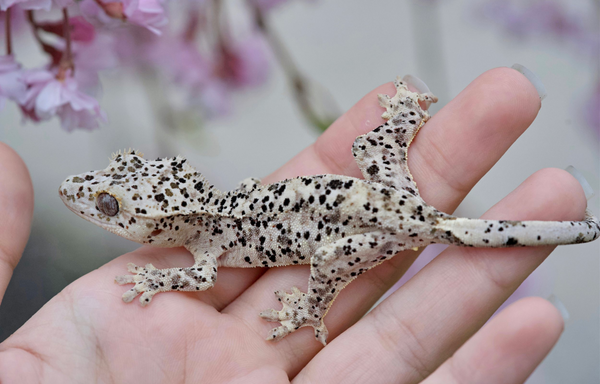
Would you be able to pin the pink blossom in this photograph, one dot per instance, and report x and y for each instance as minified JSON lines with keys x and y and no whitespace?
{"x":133,"y":45}
{"x":27,"y":4}
{"x":63,"y":3}
{"x":12,"y":85}
{"x":145,"y":13}
{"x":17,"y":20}
{"x":92,"y":57}
{"x":48,"y":96}
{"x":82,"y":30}
{"x":96,"y":15}
{"x":181,"y":60}
{"x":91,"y":52}
{"x":245,"y":62}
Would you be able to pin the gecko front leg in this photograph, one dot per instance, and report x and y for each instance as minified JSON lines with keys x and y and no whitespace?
{"x":149,"y":280}
{"x":332,"y":268}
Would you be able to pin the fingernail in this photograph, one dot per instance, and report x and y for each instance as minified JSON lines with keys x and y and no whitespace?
{"x":417,"y":83}
{"x":533,"y":79}
{"x":560,"y":306}
{"x":419,"y":86}
{"x":587,"y":188}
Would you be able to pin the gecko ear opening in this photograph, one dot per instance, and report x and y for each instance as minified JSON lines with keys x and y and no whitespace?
{"x":107,"y":204}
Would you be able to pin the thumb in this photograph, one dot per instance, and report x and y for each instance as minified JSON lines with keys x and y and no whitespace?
{"x":16,"y":210}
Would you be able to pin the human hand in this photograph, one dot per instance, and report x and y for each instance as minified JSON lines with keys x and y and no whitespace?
{"x":422,"y":333}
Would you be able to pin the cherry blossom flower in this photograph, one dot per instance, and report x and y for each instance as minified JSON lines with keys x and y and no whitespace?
{"x":48,"y":96}
{"x":17,"y":19}
{"x":245,"y":62}
{"x":209,"y":61}
{"x":96,"y":15}
{"x":12,"y":85}
{"x":181,"y":61}
{"x":27,"y":4}
{"x":80,"y":30}
{"x":92,"y":57}
{"x":145,"y":13}
{"x":63,"y":3}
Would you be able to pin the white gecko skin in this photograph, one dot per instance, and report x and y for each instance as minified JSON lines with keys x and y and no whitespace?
{"x":342,"y":226}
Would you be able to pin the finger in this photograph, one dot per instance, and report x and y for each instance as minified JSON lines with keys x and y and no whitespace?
{"x":485,"y":115}
{"x":507,"y":349}
{"x":16,"y":210}
{"x":421,"y":325}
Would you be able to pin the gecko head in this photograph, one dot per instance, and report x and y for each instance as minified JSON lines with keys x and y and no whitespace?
{"x":141,"y":200}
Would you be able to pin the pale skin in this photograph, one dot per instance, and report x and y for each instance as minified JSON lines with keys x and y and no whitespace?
{"x":429,"y":331}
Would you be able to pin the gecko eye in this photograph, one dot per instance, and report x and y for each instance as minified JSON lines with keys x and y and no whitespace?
{"x":107,"y":204}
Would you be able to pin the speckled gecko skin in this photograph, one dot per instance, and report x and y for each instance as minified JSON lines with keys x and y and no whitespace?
{"x":342,"y":226}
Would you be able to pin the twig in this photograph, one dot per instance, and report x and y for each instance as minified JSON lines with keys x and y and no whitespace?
{"x":295,"y":77}
{"x":7,"y":16}
{"x":66,"y":61}
{"x":36,"y":35}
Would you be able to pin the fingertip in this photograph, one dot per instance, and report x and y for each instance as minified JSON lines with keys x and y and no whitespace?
{"x":14,"y":173}
{"x":508,"y":92}
{"x":519,"y":89}
{"x":16,"y":211}
{"x":541,"y":320}
{"x":565,"y":193}
{"x":548,"y":194}
{"x":529,"y":327}
{"x":508,"y":348}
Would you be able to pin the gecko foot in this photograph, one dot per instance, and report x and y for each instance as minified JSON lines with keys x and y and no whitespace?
{"x":146,"y":282}
{"x":296,"y":313}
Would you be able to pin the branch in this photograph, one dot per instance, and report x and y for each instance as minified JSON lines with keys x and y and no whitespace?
{"x":297,"y":80}
{"x":66,"y":61}
{"x":7,"y":16}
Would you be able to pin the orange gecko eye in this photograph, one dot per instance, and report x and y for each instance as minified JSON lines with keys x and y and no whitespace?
{"x":107,"y":204}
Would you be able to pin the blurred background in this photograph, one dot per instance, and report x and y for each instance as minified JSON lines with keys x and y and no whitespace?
{"x":321,"y":58}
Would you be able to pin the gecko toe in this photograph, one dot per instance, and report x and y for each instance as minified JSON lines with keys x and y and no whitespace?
{"x":130,"y":295}
{"x":126,"y":279}
{"x":133,"y":268}
{"x":278,"y":333}
{"x":146,"y":298}
{"x":321,"y":333}
{"x":270,"y":315}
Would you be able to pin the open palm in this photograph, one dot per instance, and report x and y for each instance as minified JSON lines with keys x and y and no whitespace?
{"x":428,"y":331}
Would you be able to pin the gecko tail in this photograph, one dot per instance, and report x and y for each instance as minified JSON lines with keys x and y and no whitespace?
{"x":508,"y":233}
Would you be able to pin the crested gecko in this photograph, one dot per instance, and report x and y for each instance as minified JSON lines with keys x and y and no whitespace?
{"x":341,"y":226}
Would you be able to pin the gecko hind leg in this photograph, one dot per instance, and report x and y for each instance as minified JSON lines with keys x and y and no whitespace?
{"x":293,"y":315}
{"x":333,"y":266}
{"x":381,"y":154}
